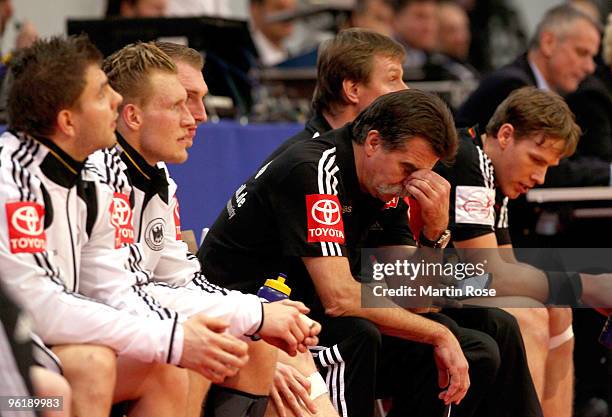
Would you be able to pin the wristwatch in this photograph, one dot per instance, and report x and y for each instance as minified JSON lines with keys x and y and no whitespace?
{"x":441,"y":242}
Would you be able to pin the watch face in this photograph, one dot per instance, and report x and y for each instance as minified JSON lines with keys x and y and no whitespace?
{"x":444,"y":239}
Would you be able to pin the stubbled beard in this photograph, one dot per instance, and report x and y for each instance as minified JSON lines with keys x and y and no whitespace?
{"x":396,"y":190}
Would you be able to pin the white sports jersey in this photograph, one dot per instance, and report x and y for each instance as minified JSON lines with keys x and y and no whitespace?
{"x":45,"y":236}
{"x":175,"y":278}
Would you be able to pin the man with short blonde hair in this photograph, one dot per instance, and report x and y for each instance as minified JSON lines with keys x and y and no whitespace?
{"x":129,"y":72}
{"x":157,"y":125}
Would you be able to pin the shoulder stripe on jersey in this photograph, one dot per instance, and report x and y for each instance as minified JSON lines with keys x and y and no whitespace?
{"x":16,"y":157}
{"x":32,"y":152}
{"x":113,"y":172}
{"x":107,"y":167}
{"x":91,"y":166}
{"x":119,"y":178}
{"x":329,"y":175}
{"x":486,"y":169}
{"x":20,"y":159}
{"x":25,"y":161}
{"x":328,"y":184}
{"x":107,"y":177}
{"x":321,"y":171}
{"x":482,"y":167}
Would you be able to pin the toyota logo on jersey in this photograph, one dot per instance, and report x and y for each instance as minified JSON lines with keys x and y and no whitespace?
{"x":324,"y":215}
{"x":26,"y":227}
{"x":121,"y":219}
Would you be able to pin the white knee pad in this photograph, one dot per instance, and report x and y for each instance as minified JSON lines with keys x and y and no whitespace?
{"x":562,"y":338}
{"x":317,"y":386}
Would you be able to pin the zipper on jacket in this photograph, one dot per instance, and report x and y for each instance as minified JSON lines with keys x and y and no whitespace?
{"x":74,"y":265}
{"x":140,"y":223}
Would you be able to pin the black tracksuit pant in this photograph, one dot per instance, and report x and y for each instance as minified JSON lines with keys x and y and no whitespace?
{"x":360,"y":365}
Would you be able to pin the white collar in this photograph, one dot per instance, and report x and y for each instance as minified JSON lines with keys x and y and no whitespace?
{"x":269,"y":54}
{"x":540,"y":81}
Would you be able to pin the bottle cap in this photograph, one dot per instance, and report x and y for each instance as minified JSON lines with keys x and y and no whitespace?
{"x":279,"y":284}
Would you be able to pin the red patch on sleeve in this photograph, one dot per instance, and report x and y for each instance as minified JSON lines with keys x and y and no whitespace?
{"x":324,"y":214}
{"x":121,"y":219}
{"x":177,"y":219}
{"x":415,"y":220}
{"x":26,"y":227}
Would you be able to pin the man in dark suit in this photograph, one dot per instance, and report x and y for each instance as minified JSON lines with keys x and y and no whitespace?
{"x":559,"y":58}
{"x":592,"y":105}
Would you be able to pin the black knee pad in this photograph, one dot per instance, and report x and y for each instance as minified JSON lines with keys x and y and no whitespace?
{"x":222,"y":402}
{"x":564,"y":288}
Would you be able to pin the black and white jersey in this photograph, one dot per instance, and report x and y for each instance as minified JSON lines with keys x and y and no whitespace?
{"x":477,"y":205}
{"x":390,"y":225}
{"x":306,"y":202}
{"x":55,"y":221}
{"x":174,"y":277}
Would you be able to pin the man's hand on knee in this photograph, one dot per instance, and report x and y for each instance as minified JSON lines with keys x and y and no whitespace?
{"x":286,"y":326}
{"x":291,"y":389}
{"x":453,"y":375}
{"x":210,"y":351}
